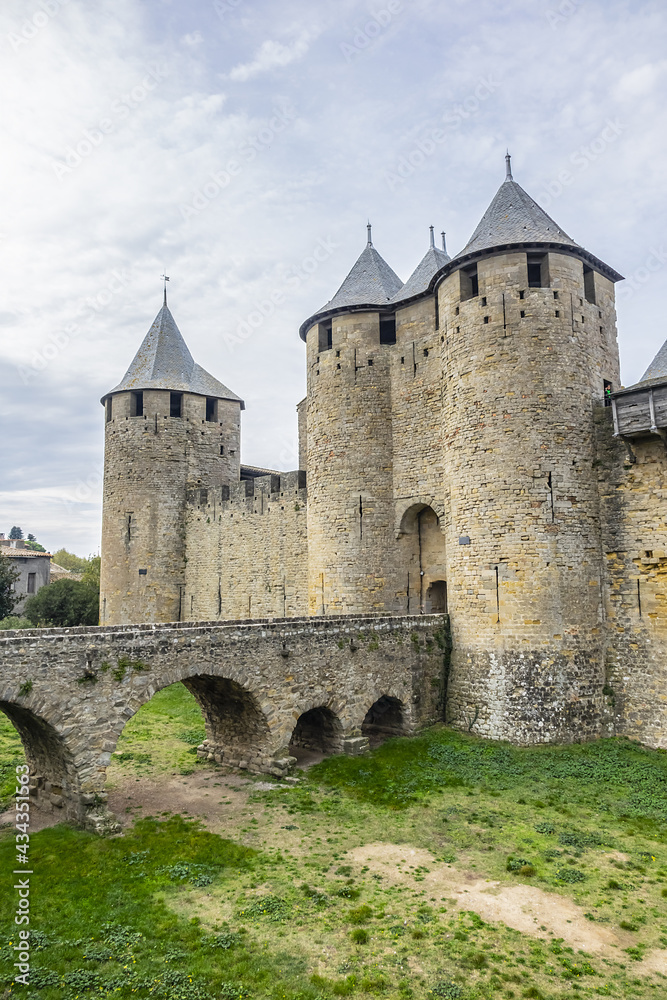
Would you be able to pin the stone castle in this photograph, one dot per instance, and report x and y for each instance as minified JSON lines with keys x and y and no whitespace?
{"x":465,"y":448}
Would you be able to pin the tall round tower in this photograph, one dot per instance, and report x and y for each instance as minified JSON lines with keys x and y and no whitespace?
{"x":349,"y":443}
{"x":169,"y":425}
{"x":529,"y":353}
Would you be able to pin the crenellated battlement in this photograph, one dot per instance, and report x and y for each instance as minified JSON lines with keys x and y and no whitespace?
{"x":271,"y":488}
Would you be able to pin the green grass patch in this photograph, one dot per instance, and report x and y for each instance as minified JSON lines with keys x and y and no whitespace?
{"x":622,"y":777}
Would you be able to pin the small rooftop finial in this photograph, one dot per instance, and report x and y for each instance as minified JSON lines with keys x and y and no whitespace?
{"x":444,"y":242}
{"x":432,"y":240}
{"x":165,"y":279}
{"x":370,"y":238}
{"x":508,"y":166}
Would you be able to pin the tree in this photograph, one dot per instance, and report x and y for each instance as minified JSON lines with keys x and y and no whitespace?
{"x":32,"y":543}
{"x":8,"y":576}
{"x":91,"y":574}
{"x":64,"y":604}
{"x":75,"y":564}
{"x":16,"y":532}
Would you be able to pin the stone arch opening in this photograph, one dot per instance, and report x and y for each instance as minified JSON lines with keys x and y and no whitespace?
{"x":237,"y":731}
{"x":54,"y":782}
{"x":317,"y":734}
{"x":383,"y":720}
{"x":425,"y":559}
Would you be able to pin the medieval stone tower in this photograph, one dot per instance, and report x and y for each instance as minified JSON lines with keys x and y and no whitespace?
{"x":456,"y":456}
{"x":169,"y":425}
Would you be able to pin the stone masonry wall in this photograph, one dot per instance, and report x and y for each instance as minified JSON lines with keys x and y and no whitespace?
{"x":634,"y":504}
{"x":350,"y":479}
{"x":148,"y":463}
{"x":523,"y":368}
{"x":247,"y":554}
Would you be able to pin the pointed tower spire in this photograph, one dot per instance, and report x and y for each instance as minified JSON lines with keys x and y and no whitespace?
{"x":508,"y":166}
{"x":444,"y":241}
{"x":164,"y":362}
{"x":370,"y":237}
{"x":432,"y":239}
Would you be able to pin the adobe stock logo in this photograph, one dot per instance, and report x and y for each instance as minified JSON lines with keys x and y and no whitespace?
{"x":33,"y":25}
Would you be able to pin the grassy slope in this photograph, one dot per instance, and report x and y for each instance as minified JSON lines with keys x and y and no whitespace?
{"x":195,"y":915}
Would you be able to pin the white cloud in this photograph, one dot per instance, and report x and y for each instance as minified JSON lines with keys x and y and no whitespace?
{"x":272,"y":55}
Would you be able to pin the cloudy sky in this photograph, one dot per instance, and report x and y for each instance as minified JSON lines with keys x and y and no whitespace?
{"x":228,"y":141}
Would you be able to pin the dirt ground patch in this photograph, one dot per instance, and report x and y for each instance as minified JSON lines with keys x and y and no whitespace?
{"x":522,"y":907}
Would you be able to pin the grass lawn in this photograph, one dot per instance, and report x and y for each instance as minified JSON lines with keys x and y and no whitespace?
{"x":443,"y":866}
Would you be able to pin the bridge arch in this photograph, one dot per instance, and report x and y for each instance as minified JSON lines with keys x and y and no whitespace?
{"x":239,"y":730}
{"x":317,"y":730}
{"x":54,"y":777}
{"x":384,"y":719}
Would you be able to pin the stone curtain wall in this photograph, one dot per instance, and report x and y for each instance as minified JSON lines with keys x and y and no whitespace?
{"x":634,"y":506}
{"x":246,"y":556}
{"x":70,"y":692}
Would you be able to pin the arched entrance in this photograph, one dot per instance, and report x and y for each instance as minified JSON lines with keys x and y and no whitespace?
{"x":317,"y":734}
{"x":422,"y":541}
{"x":383,"y":720}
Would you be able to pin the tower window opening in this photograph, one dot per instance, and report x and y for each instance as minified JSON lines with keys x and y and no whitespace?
{"x":136,"y":404}
{"x":589,"y":284}
{"x":557,"y":313}
{"x":212,"y":410}
{"x":222,"y":449}
{"x":555,"y":295}
{"x":457,"y":311}
{"x":607,"y":387}
{"x":538,"y":270}
{"x":486,"y":319}
{"x":523,"y":314}
{"x":437,"y":311}
{"x":522,"y":295}
{"x":175,"y":404}
{"x":324,"y":336}
{"x":426,"y":352}
{"x":31,"y":583}
{"x":484,"y":300}
{"x":388,"y":329}
{"x":469,"y":282}
{"x":370,"y":362}
{"x":109,"y":408}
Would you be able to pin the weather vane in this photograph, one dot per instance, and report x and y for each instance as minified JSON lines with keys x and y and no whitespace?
{"x":165,"y":278}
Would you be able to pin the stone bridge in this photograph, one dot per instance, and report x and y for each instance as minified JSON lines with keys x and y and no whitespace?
{"x":267,"y":690}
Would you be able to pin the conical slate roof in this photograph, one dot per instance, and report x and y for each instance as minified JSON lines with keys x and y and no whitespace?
{"x":420,"y":278}
{"x":164,"y":362}
{"x":513,"y":217}
{"x":658,"y":367}
{"x":371,"y":282}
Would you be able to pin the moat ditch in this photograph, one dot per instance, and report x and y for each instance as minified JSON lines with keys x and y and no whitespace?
{"x":441,"y":866}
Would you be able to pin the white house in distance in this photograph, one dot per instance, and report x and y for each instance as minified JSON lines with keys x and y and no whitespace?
{"x":34,"y":568}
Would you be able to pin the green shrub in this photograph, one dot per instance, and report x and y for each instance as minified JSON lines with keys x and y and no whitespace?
{"x":64,"y":604}
{"x":570,"y":875}
{"x":446,"y":990}
{"x":15,"y":621}
{"x":360,"y":914}
{"x":359,"y":936}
